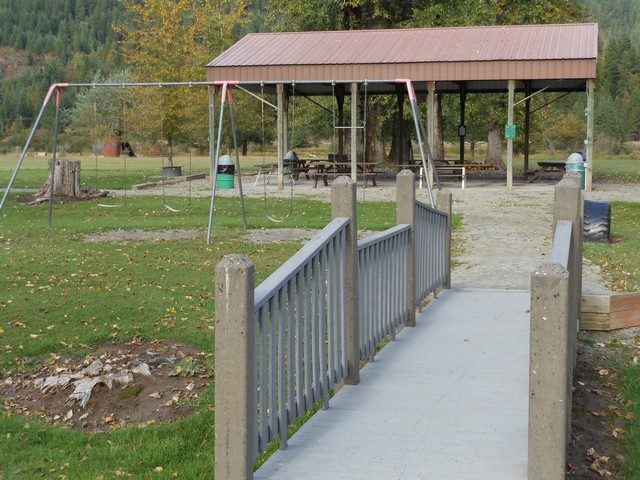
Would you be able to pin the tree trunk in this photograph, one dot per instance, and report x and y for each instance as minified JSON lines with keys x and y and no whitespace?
{"x":66,"y":180}
{"x":472,"y":150}
{"x":494,"y":147}
{"x":438,"y":146}
{"x":375,"y":145}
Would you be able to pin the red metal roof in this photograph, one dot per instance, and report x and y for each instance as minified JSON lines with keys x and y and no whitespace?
{"x":484,"y":54}
{"x":463,"y":44}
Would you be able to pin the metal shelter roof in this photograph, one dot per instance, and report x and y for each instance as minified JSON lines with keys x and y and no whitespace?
{"x":483,"y":59}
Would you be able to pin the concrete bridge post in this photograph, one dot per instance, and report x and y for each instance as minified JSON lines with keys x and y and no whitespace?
{"x":234,"y":369}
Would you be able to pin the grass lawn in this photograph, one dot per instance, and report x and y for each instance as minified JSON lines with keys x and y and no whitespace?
{"x":60,"y":294}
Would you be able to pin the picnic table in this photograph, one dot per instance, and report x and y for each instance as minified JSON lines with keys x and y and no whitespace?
{"x":444,"y":169}
{"x":293,"y":167}
{"x":322,"y":170}
{"x":547,"y":168}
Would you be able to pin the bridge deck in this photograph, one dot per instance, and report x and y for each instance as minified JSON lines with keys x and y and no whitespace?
{"x":447,"y":400}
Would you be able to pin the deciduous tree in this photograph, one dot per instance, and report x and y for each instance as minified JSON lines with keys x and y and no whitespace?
{"x":172,"y":41}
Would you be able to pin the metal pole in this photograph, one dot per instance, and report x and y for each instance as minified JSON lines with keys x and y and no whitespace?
{"x":52,"y":169}
{"x":26,"y":146}
{"x":419,"y":132}
{"x":235,"y":145}
{"x":215,"y":166}
{"x":512,"y":87}
{"x":212,"y":128}
{"x":354,"y":132}
{"x":591,"y":86}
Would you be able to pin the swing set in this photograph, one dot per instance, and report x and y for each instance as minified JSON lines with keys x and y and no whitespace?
{"x":226,"y":101}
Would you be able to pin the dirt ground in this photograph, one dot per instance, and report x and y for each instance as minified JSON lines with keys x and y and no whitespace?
{"x":505,"y":236}
{"x":179,"y":377}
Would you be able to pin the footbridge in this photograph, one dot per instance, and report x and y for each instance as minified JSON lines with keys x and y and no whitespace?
{"x":414,"y":379}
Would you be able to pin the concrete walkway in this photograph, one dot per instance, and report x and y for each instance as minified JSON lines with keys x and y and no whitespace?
{"x":447,"y":400}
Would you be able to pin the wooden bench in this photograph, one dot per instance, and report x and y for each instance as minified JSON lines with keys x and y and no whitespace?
{"x":369,"y":175}
{"x":320,"y":175}
{"x":547,"y":169}
{"x":317,"y":174}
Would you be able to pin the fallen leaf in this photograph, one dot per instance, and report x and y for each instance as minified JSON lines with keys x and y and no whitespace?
{"x":155,"y":395}
{"x":617,"y":432}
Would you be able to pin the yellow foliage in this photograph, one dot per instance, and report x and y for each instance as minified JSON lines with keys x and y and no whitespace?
{"x":173,"y":42}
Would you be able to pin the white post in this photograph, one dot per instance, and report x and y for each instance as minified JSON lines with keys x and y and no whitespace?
{"x":512,"y":87}
{"x":281,"y":135}
{"x":354,"y":132}
{"x":591,"y":86}
{"x":431,"y":122}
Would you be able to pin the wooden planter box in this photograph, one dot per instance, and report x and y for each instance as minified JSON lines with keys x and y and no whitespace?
{"x":610,"y":312}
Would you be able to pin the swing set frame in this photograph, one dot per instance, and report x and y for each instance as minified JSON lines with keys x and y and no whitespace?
{"x":214,"y":147}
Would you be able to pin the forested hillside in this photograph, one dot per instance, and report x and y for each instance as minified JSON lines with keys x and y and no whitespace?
{"x":618,"y":94}
{"x":43,"y":42}
{"x":48,"y":41}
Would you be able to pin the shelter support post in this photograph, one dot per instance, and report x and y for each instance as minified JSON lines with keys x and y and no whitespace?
{"x":591,"y":86}
{"x":512,"y":88}
{"x":354,"y":131}
{"x":281,"y":134}
{"x":399,"y":126}
{"x":340,"y":102}
{"x":431,"y":120}
{"x":527,"y":124}
{"x":463,"y":110}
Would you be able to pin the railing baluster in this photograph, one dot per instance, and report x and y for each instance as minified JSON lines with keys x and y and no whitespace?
{"x":273,"y":378}
{"x":264,"y":378}
{"x":322,"y":338}
{"x":299,"y":344}
{"x":308,"y":360}
{"x":282,"y":372}
{"x":331,"y":314}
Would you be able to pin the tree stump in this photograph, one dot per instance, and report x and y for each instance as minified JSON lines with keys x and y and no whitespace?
{"x":66,"y":180}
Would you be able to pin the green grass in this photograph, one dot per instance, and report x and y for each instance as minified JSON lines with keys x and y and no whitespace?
{"x":59,"y":293}
{"x":621,"y":258}
{"x":631,"y":392}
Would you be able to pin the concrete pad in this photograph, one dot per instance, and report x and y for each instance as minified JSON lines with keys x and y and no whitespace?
{"x":447,"y":400}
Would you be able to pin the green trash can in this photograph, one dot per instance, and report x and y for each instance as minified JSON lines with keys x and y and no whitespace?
{"x":226,"y":171}
{"x":575,"y":163}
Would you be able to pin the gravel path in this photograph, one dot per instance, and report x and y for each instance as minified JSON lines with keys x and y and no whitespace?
{"x":505,"y":234}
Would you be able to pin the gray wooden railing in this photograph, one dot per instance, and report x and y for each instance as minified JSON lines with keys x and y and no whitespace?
{"x":300,"y":332}
{"x":431,"y":230}
{"x":281,"y":347}
{"x":382,"y":281}
{"x":556,"y":295}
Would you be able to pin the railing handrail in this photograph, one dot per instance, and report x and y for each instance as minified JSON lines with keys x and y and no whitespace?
{"x":425,"y":206}
{"x":561,"y":247}
{"x":292,"y":266}
{"x":382,"y":236}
